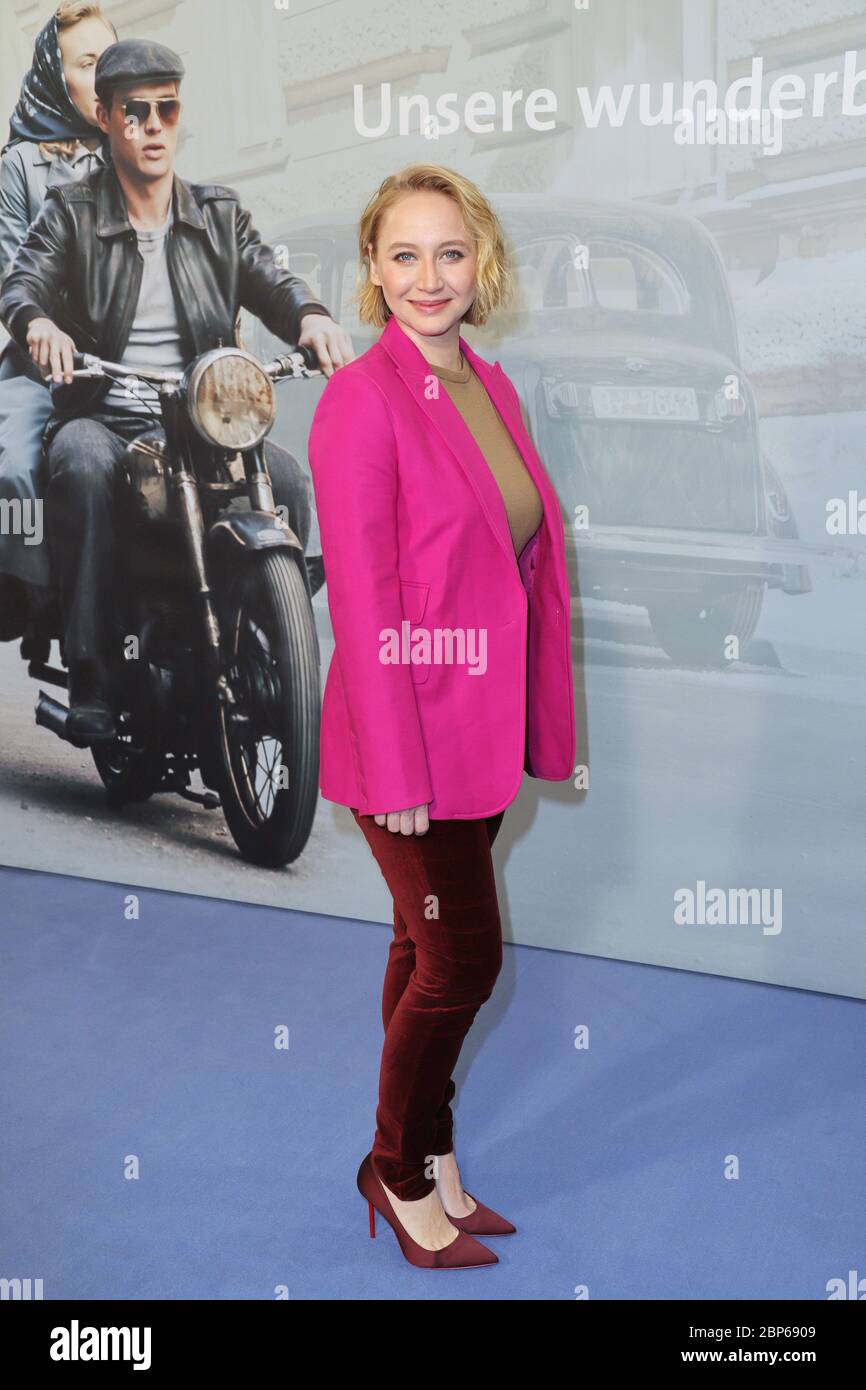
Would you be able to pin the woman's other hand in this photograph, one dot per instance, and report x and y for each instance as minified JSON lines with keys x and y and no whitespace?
{"x":415,"y":821}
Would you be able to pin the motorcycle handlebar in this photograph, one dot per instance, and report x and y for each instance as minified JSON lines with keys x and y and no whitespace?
{"x":301,"y":362}
{"x":84,"y":364}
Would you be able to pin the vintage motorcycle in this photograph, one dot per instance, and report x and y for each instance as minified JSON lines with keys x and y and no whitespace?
{"x":219,"y":671}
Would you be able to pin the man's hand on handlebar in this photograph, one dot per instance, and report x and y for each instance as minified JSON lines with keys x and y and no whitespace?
{"x":415,"y":821}
{"x":51,"y":349}
{"x":331,"y":343}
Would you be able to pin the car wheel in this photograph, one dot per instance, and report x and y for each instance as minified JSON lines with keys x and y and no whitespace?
{"x":695,"y":629}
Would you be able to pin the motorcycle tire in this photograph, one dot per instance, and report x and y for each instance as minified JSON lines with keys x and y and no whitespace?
{"x":269,"y":741}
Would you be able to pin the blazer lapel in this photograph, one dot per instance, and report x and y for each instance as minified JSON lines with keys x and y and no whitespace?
{"x":434,"y":400}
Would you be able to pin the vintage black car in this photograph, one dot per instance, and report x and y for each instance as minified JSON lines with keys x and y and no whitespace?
{"x":622,"y":343}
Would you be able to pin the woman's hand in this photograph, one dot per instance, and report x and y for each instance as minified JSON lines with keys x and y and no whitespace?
{"x":415,"y":821}
{"x":51,"y":349}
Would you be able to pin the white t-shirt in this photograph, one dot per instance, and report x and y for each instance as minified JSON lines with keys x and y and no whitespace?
{"x":154,"y":339}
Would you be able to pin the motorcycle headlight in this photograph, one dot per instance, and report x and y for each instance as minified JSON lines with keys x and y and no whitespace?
{"x":231,"y":398}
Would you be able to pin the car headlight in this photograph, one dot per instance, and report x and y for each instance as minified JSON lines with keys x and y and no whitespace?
{"x":231,"y":398}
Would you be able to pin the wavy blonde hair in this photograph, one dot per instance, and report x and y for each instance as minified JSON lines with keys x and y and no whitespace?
{"x":494,"y":279}
{"x":67,"y":14}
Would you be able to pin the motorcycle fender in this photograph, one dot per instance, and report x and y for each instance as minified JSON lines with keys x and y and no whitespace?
{"x":239,"y":532}
{"x":251,"y":531}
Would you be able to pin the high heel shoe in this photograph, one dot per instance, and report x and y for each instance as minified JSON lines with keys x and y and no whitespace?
{"x":464,"y":1252}
{"x":482,"y":1221}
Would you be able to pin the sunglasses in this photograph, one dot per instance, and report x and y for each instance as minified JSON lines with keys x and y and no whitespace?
{"x":139,"y":110}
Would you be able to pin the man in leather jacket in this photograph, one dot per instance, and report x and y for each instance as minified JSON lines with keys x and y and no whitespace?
{"x":133,"y":262}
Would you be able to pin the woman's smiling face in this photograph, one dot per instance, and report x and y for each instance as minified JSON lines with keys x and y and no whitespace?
{"x":425,"y":263}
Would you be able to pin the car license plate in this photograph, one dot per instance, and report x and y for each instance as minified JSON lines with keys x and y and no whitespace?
{"x":645,"y":403}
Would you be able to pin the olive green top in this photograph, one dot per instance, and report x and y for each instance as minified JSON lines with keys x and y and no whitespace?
{"x":523,"y":505}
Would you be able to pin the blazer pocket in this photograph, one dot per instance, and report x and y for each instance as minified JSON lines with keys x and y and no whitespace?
{"x":413,"y":596}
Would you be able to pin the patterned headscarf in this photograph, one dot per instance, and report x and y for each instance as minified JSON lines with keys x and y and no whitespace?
{"x":45,"y":110}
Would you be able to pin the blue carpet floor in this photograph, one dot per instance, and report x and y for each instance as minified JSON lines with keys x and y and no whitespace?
{"x":156,"y":1143}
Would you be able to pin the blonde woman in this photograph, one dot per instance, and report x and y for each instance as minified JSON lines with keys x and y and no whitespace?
{"x":53,"y":134}
{"x":444,"y":558}
{"x":53,"y":137}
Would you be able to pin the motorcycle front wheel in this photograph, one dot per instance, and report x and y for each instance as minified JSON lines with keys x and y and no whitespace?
{"x":269,"y":736}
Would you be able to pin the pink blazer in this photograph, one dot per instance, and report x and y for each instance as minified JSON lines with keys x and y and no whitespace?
{"x":434,"y":695}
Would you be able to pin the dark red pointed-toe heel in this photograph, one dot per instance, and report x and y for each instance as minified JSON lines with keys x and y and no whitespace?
{"x":482,"y":1221}
{"x":464,"y":1252}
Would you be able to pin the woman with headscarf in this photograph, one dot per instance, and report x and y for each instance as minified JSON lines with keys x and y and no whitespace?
{"x":53,"y":137}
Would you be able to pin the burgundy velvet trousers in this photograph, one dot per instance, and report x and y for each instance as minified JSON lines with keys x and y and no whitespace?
{"x":443,"y":961}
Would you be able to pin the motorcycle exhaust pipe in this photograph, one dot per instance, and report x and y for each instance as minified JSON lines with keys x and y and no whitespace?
{"x":52,"y":715}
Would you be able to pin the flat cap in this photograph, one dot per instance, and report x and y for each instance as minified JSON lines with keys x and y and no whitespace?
{"x":136,"y":60}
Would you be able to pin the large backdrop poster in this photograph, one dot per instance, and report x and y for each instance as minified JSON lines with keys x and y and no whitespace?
{"x":683,"y":185}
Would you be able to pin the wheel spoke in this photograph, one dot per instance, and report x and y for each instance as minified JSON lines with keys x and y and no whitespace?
{"x":256,"y":752}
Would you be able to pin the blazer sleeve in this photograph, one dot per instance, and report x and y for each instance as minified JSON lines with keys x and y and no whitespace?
{"x":353,"y":461}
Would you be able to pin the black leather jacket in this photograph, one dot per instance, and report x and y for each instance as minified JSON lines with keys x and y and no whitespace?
{"x":79,"y":265}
